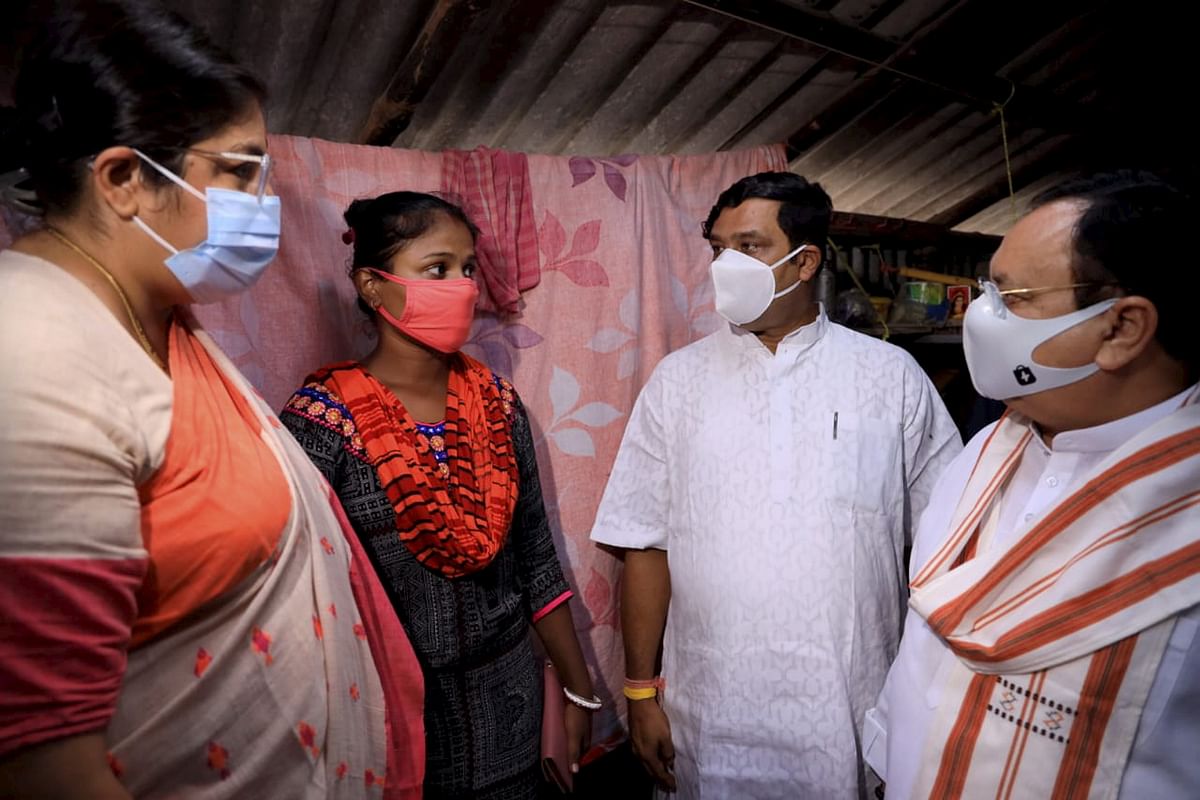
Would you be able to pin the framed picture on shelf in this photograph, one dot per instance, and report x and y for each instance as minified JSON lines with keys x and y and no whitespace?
{"x":958,"y":298}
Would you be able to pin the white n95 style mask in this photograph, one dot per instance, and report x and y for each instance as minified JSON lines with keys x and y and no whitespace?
{"x":744,"y":286}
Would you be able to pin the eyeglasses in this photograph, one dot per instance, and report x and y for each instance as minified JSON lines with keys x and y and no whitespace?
{"x":1000,"y":298}
{"x":1035,"y":289}
{"x":264,"y":162}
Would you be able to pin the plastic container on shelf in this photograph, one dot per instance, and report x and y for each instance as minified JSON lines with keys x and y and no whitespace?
{"x":927,"y":293}
{"x":883,"y":306}
{"x":827,"y":287}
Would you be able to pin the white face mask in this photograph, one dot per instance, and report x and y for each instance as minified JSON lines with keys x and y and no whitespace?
{"x":744,"y":286}
{"x":999,"y":347}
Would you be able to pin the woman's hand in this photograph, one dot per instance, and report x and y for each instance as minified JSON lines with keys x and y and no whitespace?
{"x":578,"y":722}
{"x":557,"y":633}
{"x":74,"y":767}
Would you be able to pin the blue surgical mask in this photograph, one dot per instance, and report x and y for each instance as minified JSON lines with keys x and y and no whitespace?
{"x":243,"y":238}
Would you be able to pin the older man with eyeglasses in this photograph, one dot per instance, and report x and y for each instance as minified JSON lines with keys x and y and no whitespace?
{"x":1050,"y":647}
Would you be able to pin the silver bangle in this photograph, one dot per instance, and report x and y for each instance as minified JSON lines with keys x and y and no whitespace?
{"x":588,"y":705}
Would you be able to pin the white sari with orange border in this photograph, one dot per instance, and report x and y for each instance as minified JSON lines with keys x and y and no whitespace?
{"x":178,"y":577}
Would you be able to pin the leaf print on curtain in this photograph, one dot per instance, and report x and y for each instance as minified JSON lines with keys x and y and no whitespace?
{"x":493,"y":342}
{"x":581,"y":271}
{"x":584,"y":169}
{"x":564,"y":396}
{"x":601,"y":597}
{"x":611,"y":340}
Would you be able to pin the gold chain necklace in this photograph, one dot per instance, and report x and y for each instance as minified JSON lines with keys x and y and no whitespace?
{"x":137,"y":325}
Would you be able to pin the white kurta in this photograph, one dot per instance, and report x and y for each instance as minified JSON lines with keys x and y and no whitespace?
{"x":782,"y":487}
{"x":1163,"y":760}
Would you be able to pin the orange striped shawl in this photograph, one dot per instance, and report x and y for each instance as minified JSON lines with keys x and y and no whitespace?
{"x":1058,"y":633}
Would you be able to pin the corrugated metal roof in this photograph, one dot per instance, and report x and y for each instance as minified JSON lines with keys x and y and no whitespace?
{"x":1093,"y":85}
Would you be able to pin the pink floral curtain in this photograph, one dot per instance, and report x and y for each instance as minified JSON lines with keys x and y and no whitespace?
{"x":623,"y":281}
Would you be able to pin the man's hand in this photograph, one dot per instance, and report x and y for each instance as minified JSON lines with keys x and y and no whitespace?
{"x":650,"y":734}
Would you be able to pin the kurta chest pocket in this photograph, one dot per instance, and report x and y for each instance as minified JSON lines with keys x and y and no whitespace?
{"x":867,"y":461}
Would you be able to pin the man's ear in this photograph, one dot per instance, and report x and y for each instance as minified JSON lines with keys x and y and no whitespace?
{"x":809,"y":261}
{"x":1132,"y":324}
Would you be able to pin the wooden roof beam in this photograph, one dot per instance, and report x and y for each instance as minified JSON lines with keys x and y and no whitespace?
{"x":918,"y":61}
{"x":819,"y":65}
{"x":1063,"y":155}
{"x":444,"y":27}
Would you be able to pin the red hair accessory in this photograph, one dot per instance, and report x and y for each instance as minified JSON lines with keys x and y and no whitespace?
{"x":348,"y":236}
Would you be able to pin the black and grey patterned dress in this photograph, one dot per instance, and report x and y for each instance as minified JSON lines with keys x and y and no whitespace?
{"x":471,"y":634}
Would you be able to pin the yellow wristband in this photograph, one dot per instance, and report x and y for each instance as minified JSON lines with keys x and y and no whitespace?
{"x":640,"y":694}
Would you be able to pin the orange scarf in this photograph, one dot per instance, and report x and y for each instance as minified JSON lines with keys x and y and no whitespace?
{"x":457,"y":524}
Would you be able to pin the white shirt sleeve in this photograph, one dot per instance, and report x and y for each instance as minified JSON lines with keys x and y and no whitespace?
{"x":931,"y":442}
{"x":875,"y":738}
{"x":893,"y":731}
{"x":634,"y":510}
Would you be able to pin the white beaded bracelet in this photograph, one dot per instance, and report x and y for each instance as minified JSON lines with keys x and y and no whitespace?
{"x":589,"y":705}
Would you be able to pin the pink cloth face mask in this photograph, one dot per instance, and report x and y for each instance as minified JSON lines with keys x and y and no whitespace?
{"x":437,"y":313}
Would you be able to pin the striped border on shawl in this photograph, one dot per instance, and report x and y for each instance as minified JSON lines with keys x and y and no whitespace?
{"x":964,"y":535}
{"x":1147,"y":461}
{"x":956,"y":758}
{"x":1087,"y":609}
{"x":1097,"y":699}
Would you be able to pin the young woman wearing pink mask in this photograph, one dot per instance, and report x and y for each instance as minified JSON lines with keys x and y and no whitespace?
{"x":432,"y":457}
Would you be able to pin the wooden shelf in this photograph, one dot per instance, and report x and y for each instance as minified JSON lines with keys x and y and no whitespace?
{"x":949,"y":333}
{"x":906,"y":232}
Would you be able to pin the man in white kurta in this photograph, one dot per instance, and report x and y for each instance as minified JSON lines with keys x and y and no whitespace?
{"x":781,"y":486}
{"x":1079,"y":427}
{"x":1163,"y":761}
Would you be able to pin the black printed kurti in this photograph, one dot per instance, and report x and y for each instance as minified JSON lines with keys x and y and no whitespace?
{"x":471,"y":634}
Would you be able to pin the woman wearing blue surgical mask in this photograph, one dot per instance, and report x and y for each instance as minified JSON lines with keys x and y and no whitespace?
{"x":175,"y":573}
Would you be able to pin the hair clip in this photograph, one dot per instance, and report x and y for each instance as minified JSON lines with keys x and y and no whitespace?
{"x":16,"y":192}
{"x":348,"y":236}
